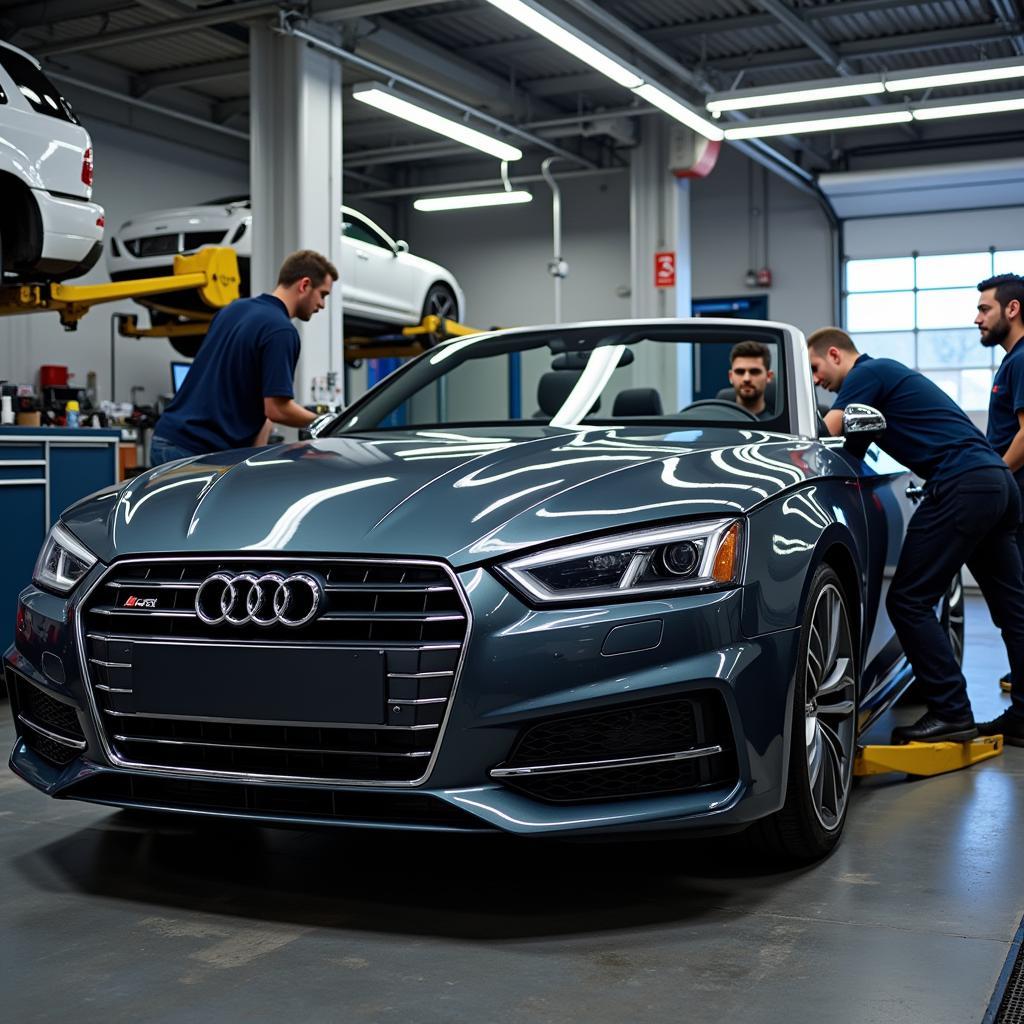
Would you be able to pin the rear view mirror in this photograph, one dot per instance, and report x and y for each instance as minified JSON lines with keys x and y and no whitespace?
{"x":863,"y":420}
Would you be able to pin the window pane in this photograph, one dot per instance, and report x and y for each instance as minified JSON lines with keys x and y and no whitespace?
{"x":1010,"y":262}
{"x":975,"y":389}
{"x":953,"y":271}
{"x":953,"y":307}
{"x":880,"y":311}
{"x":949,"y":381}
{"x":893,"y":346}
{"x":937,"y":350}
{"x":880,"y":275}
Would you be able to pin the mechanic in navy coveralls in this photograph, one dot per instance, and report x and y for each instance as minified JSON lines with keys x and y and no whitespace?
{"x":970,"y":515}
{"x":243,"y":378}
{"x":1000,"y":322}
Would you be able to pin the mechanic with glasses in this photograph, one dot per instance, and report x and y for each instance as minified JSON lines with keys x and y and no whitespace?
{"x":970,"y":515}
{"x":242,"y":380}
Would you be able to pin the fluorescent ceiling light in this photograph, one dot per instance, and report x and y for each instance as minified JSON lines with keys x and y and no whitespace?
{"x":680,"y":112}
{"x":762,"y":130}
{"x":966,"y":109}
{"x":387,"y":101}
{"x":812,"y":94}
{"x":964,"y":75}
{"x":469,"y":202}
{"x":559,"y":34}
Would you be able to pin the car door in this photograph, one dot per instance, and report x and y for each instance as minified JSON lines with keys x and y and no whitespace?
{"x":888,"y":491}
{"x":382,"y":281}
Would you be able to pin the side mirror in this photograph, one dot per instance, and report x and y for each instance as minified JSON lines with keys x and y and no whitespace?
{"x":317,"y":427}
{"x":401,"y":246}
{"x":862,"y":419}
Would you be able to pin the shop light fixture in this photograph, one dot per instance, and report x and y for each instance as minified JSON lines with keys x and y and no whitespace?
{"x":969,"y":108}
{"x":957,"y":74}
{"x":472,"y":201}
{"x":867,"y":85}
{"x":562,"y":35}
{"x":391,"y":103}
{"x":752,"y":99}
{"x":832,"y":122}
{"x":682,"y":113}
{"x":567,"y":37}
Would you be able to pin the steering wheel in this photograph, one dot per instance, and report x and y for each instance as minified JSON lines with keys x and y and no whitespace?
{"x":721,"y":403}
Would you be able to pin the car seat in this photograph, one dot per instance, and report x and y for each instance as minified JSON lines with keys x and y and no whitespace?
{"x":553,"y":388}
{"x":637,"y":402}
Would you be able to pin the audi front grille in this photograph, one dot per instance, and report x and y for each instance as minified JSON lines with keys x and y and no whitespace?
{"x":331,"y":671}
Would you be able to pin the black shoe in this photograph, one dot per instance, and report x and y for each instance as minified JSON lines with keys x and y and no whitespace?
{"x":1008,"y":724}
{"x":929,"y":728}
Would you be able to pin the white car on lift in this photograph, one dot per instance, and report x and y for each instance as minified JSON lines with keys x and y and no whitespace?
{"x":382,"y":283}
{"x":50,"y":229}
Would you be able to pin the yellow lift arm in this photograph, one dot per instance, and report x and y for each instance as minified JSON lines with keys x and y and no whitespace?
{"x":925,"y":758}
{"x":212,"y":271}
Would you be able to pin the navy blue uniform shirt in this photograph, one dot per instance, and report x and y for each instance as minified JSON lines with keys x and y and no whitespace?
{"x":249,"y":354}
{"x":925,"y":429}
{"x":1006,"y":400}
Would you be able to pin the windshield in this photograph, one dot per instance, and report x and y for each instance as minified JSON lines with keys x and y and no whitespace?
{"x":612,"y":374}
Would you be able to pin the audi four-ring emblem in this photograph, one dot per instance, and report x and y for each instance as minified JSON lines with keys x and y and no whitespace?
{"x":265,"y":600}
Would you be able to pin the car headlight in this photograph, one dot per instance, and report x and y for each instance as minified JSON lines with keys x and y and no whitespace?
{"x":62,"y":562}
{"x":691,"y":557}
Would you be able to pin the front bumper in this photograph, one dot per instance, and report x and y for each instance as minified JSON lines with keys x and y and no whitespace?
{"x":521,"y":667}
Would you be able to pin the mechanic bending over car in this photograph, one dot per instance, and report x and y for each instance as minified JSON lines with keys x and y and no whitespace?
{"x":970,"y":515}
{"x":750,"y":373}
{"x":1000,"y":320}
{"x":242,"y":380}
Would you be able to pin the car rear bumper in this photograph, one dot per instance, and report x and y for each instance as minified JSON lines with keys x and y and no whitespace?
{"x":72,"y":232}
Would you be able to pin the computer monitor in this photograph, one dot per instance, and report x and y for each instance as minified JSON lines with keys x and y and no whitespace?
{"x":178,"y":371}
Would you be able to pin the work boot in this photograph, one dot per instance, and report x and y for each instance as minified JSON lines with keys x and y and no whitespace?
{"x":929,"y":728}
{"x":1005,"y":683}
{"x":1009,"y":725}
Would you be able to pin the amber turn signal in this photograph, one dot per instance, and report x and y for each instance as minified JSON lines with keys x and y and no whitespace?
{"x":726,"y":558}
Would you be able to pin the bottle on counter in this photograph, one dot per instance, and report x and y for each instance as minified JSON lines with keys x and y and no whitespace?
{"x":6,"y":410}
{"x":71,"y":414}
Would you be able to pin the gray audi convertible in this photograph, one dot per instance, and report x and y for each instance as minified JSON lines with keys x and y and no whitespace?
{"x":546,"y":581}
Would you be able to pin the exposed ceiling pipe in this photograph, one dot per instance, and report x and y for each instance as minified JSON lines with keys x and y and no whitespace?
{"x":480,"y":183}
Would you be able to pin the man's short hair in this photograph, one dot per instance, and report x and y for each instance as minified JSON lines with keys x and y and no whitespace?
{"x":751,"y":350}
{"x":1007,"y":288}
{"x":306,"y":263}
{"x":825,"y":338}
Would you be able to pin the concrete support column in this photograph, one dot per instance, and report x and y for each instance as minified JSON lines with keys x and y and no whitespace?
{"x":295,"y":180}
{"x":659,"y":217}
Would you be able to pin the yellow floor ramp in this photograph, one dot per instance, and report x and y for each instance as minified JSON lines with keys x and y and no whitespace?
{"x":925,"y":758}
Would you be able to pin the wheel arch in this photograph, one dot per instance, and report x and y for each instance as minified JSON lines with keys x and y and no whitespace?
{"x":21,"y":224}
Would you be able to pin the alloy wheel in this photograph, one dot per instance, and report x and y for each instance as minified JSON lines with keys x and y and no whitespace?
{"x":829,"y":707}
{"x":953,"y":617}
{"x":440,"y":303}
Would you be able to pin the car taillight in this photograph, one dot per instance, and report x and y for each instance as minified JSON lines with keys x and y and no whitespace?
{"x":87,"y":167}
{"x":100,"y":221}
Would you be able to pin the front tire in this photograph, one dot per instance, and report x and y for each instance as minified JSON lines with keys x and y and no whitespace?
{"x":824,"y":730}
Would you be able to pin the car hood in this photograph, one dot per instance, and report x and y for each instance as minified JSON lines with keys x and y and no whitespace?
{"x":467,"y":496}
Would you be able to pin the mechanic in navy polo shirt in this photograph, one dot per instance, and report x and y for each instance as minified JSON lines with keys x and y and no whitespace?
{"x":242,"y":380}
{"x":969,"y":516}
{"x":1000,"y":321}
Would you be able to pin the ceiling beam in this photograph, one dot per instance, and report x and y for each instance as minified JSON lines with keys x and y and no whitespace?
{"x":177,"y":26}
{"x":190,"y":75}
{"x":331,"y":11}
{"x":810,"y":37}
{"x":33,"y":15}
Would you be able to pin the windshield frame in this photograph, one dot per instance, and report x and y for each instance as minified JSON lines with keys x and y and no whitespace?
{"x":593,"y":336}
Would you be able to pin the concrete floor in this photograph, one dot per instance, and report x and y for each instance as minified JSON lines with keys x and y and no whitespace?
{"x":109,"y":918}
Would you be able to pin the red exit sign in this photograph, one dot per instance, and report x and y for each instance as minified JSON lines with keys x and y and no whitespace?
{"x":664,"y":269}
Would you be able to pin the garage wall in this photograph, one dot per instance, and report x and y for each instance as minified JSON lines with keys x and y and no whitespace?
{"x":935,"y":233}
{"x":134,"y":173}
{"x":733,"y":211}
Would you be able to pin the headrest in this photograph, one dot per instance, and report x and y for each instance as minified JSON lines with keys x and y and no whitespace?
{"x":554,"y":388}
{"x":637,"y":402}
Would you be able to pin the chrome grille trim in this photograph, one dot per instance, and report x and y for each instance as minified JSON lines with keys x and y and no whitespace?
{"x":255,"y":746}
{"x":57,"y":737}
{"x":111,"y":689}
{"x":593,"y":766}
{"x":264,"y":721}
{"x":109,"y":664}
{"x":439,"y":728}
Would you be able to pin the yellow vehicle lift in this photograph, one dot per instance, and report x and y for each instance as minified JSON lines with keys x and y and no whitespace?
{"x":427,"y":333}
{"x":925,"y":758}
{"x":212,"y":271}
